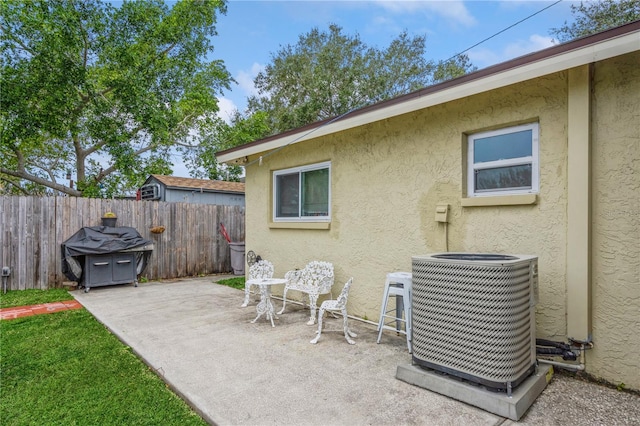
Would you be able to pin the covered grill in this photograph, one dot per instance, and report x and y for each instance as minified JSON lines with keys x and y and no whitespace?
{"x":100,"y":255}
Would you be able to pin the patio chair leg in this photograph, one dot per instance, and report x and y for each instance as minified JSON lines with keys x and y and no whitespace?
{"x":313,"y":305}
{"x":247,"y":291}
{"x":284,"y":301}
{"x":319,"y":332}
{"x":348,"y":333}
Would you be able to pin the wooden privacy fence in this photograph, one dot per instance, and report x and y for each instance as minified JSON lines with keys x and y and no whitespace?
{"x":33,"y":228}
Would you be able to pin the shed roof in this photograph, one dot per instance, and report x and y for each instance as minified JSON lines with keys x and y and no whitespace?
{"x":607,"y":44}
{"x":174,"y":182}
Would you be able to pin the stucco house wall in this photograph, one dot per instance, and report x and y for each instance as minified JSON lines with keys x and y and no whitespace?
{"x":388,"y":176}
{"x":616,"y":221}
{"x":387,"y":179}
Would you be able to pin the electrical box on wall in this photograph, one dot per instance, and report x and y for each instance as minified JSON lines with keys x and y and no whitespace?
{"x":442,"y":213}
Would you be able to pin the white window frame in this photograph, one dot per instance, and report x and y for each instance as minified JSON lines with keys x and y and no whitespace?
{"x":533,"y":160}
{"x":300,"y":170}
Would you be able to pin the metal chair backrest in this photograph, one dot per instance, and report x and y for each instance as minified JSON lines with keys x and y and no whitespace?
{"x":261,"y":270}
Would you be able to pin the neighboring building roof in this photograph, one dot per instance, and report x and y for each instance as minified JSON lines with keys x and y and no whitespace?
{"x":174,"y":182}
{"x":597,"y":47}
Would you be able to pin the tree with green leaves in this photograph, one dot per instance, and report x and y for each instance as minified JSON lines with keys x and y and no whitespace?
{"x":202,"y":160}
{"x":595,"y":16}
{"x":327,"y":74}
{"x":103,"y":92}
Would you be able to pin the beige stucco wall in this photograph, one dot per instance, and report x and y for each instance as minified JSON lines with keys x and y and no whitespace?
{"x":616,"y":221}
{"x":388,"y":177}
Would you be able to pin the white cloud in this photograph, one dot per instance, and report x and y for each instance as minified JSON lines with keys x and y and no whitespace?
{"x":245,"y":79}
{"x":227,"y":107}
{"x":454,"y":10}
{"x":486,"y":57}
{"x":522,"y":47}
{"x":244,"y":89}
{"x":383,"y":21}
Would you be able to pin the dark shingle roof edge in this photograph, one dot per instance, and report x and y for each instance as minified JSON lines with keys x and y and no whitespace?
{"x":204,"y":184}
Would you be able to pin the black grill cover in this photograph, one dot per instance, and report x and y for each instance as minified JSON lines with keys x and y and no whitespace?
{"x":97,"y":240}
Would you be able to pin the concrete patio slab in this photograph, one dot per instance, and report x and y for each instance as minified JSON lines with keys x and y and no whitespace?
{"x":196,"y":336}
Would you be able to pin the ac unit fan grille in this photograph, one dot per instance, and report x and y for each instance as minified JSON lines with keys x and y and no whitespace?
{"x":150,"y":192}
{"x":475,"y":320}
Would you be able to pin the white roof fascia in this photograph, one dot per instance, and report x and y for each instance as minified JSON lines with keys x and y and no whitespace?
{"x":580,"y":56}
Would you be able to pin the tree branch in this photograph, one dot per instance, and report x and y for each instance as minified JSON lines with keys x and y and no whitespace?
{"x":35,"y":179}
{"x":105,"y":172}
{"x":186,"y":145}
{"x":95,"y":147}
{"x":16,"y":41}
{"x":167,"y":50}
{"x":13,"y":184}
{"x":81,"y":155}
{"x":86,"y":44}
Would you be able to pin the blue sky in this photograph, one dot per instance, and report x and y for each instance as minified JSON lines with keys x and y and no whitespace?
{"x":252,"y":31}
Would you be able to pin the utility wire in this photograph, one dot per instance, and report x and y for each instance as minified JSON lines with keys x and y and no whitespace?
{"x":501,"y":31}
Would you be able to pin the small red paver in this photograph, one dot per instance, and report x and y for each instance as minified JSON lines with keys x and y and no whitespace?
{"x":44,"y":308}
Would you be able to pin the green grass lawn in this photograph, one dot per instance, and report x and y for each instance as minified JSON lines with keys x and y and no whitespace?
{"x":66,"y":368}
{"x":235,"y":282}
{"x":33,"y":297}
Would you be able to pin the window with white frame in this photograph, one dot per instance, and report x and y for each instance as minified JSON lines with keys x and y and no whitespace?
{"x":503,"y":162}
{"x":302,"y":193}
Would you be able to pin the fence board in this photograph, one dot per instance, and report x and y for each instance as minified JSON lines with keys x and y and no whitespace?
{"x":33,"y":228}
{"x":22,"y":245}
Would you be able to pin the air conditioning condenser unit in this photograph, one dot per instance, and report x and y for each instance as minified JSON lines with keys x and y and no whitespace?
{"x":473,"y":316}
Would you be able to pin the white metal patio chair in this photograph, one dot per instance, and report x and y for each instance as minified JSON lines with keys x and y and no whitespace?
{"x":262,"y":269}
{"x":315,"y":279}
{"x":340,"y":304}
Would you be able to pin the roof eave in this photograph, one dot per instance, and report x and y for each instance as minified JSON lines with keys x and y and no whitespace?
{"x":194,"y":189}
{"x":598,"y":47}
